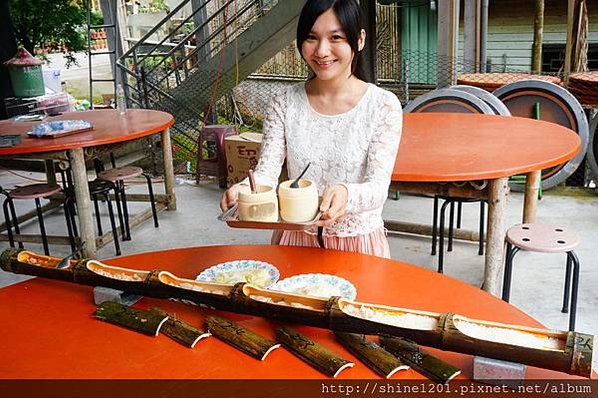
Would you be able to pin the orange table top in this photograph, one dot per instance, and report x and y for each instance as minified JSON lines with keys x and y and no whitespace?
{"x":48,"y":330}
{"x":109,"y":127}
{"x":463,"y":147}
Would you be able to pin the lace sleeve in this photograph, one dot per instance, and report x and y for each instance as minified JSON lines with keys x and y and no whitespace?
{"x":381,"y":157}
{"x":273,"y":150}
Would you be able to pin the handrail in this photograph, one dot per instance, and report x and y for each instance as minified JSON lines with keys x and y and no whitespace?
{"x":194,"y":51}
{"x":210,"y":37}
{"x":155,"y":28}
{"x":177,"y":28}
{"x":154,"y":67}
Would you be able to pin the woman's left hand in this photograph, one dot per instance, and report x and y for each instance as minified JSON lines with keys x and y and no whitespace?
{"x":334,"y":205}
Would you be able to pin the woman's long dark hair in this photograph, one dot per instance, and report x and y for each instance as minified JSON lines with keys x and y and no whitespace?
{"x":347,"y":12}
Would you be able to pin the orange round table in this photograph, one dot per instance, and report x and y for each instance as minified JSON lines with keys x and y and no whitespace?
{"x":479,"y":153}
{"x":109,"y":127}
{"x":48,"y":331}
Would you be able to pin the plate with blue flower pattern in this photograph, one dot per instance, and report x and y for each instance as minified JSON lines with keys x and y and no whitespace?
{"x":319,"y":285}
{"x":258,"y":273}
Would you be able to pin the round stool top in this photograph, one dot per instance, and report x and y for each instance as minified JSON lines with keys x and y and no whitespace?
{"x":34,"y":191}
{"x":100,"y":186}
{"x":120,"y":173}
{"x":542,"y":238}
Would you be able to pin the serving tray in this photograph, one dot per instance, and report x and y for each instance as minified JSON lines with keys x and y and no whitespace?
{"x":236,"y":223}
{"x":230,"y":217}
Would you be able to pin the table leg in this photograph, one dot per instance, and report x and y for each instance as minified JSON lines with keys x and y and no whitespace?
{"x":498,"y":195}
{"x":82,"y":197}
{"x":50,"y":171}
{"x":168,"y":169}
{"x":532,"y":187}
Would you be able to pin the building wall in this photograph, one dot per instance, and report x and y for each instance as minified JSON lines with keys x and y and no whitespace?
{"x":511,"y":30}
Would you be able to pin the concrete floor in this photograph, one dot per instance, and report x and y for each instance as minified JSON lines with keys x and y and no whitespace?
{"x":537,"y":278}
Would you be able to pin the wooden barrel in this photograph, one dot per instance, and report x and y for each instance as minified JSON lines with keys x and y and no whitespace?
{"x":584,"y":87}
{"x":447,"y":100}
{"x":497,"y":105}
{"x":556,"y":105}
{"x":492,"y":81}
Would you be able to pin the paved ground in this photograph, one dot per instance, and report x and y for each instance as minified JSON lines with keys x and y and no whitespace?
{"x":538,"y":278}
{"x":76,"y":77}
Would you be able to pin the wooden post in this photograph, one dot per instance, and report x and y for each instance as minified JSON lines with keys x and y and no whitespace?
{"x":50,"y":171}
{"x":168,"y":169}
{"x":569,"y":41}
{"x":368,"y":14}
{"x":471,"y":36}
{"x":538,"y":37}
{"x":448,"y":34}
{"x":86,"y":229}
{"x":497,"y":208}
{"x":532,"y":187}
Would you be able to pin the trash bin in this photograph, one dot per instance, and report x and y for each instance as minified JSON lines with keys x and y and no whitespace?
{"x":26,"y":74}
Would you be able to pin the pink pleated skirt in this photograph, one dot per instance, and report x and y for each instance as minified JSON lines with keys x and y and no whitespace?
{"x":374,"y":243}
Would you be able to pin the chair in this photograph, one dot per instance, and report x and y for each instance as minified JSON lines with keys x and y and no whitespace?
{"x":545,"y":239}
{"x":36,"y":192}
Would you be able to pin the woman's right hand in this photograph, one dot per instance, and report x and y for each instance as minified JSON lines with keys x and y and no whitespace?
{"x":229,"y":198}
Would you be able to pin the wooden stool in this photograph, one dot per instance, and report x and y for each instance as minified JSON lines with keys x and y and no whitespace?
{"x":546,"y":239}
{"x":117,"y":176}
{"x":36,"y":192}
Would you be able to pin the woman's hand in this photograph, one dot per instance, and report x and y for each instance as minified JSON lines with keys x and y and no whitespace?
{"x":229,"y":198}
{"x":334,"y":205}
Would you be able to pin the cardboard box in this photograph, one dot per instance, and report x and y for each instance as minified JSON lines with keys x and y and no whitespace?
{"x":242,"y":153}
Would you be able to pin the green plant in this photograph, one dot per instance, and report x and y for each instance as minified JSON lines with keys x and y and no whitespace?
{"x":155,"y":6}
{"x":53,"y":24}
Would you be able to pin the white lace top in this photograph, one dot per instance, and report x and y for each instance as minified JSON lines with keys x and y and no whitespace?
{"x":357,"y":149}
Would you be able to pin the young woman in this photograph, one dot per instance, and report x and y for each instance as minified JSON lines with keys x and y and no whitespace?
{"x":348,"y":129}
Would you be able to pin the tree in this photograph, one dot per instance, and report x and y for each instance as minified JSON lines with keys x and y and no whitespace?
{"x":53,"y":24}
{"x":7,"y":51}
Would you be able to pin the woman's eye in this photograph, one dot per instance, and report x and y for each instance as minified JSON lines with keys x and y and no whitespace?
{"x":311,"y":37}
{"x":338,"y":38}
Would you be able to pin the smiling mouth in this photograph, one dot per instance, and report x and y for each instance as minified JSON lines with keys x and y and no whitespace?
{"x":325,"y":63}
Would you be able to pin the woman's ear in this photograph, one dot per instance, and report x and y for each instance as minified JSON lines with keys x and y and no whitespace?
{"x":361,"y":40}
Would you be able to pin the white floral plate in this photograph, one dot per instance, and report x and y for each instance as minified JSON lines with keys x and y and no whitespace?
{"x":256,"y":272}
{"x":320,"y":285}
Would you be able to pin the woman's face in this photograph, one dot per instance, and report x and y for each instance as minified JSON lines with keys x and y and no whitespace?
{"x":327,"y":50}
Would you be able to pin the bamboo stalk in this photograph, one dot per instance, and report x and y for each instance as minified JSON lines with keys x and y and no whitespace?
{"x":145,"y":322}
{"x":311,"y":352}
{"x":180,"y":331}
{"x":420,"y":360}
{"x":422,"y":229}
{"x":569,"y":352}
{"x":370,"y":353}
{"x":239,"y":337}
{"x":442,"y":189}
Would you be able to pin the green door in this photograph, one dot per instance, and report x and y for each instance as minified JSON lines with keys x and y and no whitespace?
{"x":419,"y":37}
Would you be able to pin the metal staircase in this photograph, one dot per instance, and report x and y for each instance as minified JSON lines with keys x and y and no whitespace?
{"x":204,"y":56}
